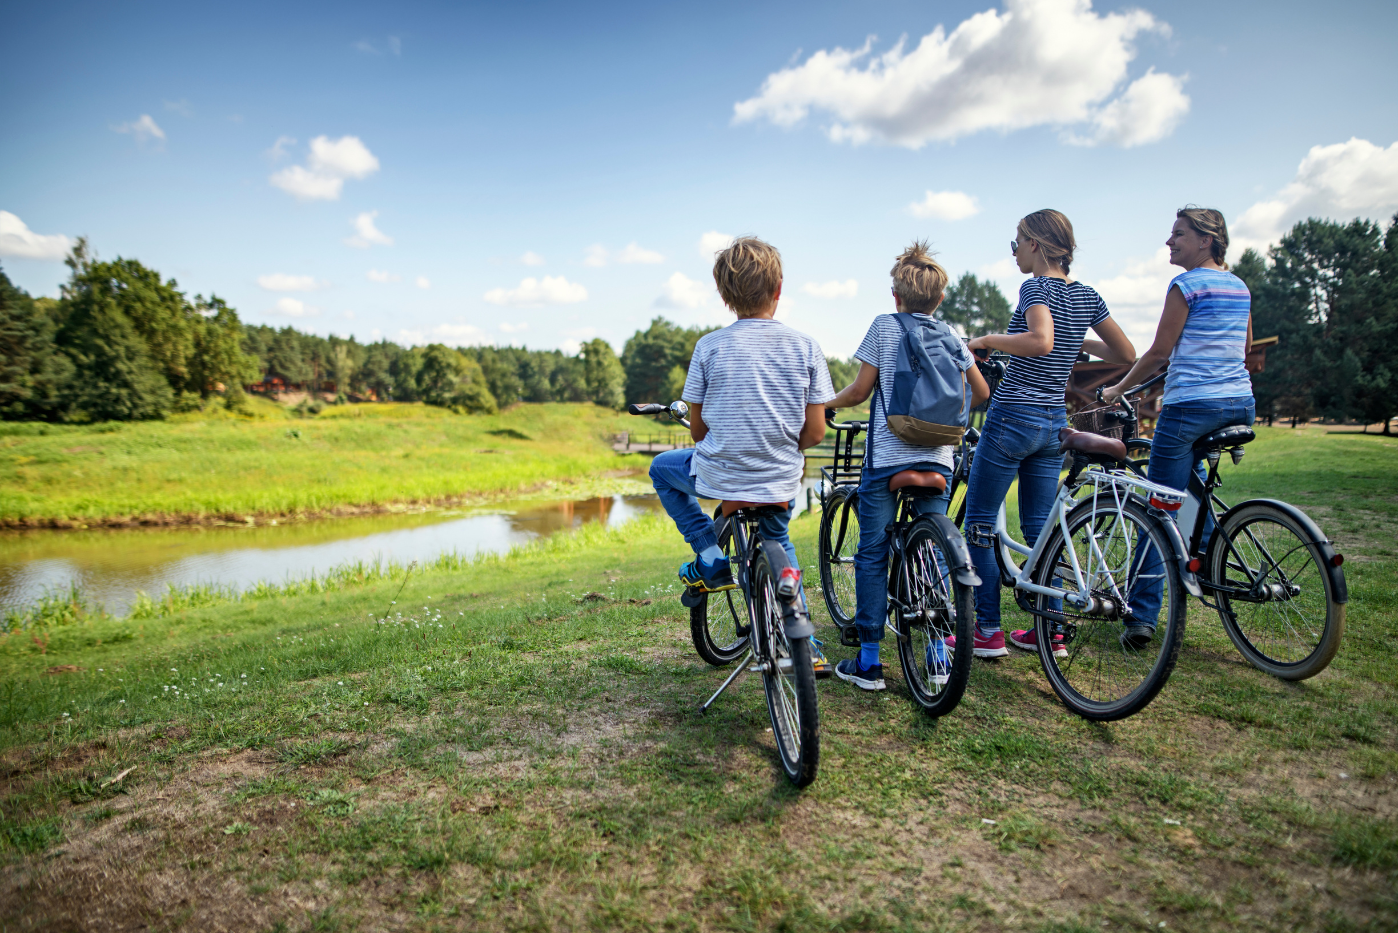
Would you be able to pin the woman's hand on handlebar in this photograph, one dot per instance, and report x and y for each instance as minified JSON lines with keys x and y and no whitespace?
{"x":1111,"y":394}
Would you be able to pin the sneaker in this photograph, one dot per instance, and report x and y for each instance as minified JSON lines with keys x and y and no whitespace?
{"x":939,"y":662}
{"x":1137,"y":637}
{"x":871,"y":679}
{"x":992,"y":647}
{"x":1028,"y":640}
{"x":707,"y":579}
{"x":822,"y":665}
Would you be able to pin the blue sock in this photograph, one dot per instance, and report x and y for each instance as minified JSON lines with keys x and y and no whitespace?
{"x":711,"y":555}
{"x":868,"y":654}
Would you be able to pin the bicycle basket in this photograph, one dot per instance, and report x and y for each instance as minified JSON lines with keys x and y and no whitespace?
{"x":1108,"y":421}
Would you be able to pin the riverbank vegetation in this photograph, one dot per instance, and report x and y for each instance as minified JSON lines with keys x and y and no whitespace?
{"x":512,"y":743}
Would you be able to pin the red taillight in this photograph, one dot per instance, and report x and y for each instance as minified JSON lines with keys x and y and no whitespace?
{"x":1193,"y":565}
{"x":1337,"y":560}
{"x":1165,"y":506}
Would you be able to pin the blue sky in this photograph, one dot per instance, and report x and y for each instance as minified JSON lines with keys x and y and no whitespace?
{"x":543,"y":173}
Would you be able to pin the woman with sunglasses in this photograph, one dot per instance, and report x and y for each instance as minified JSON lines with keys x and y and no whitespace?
{"x":1020,"y":434}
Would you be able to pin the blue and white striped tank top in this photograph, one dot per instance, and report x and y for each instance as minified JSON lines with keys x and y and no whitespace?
{"x":1209,"y":361}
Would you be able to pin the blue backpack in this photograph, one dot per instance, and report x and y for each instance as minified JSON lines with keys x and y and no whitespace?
{"x":929,"y":406}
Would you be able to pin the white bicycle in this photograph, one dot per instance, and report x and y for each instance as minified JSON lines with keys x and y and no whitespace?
{"x":1105,"y":539}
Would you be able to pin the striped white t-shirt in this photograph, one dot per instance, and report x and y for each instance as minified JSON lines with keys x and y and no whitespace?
{"x":754,"y":378}
{"x":1043,"y":380}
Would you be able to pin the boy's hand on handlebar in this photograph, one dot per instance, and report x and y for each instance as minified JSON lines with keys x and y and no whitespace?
{"x":830,"y":415}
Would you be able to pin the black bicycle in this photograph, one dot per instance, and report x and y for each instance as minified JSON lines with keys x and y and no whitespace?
{"x":931,"y":583}
{"x":773,"y":634}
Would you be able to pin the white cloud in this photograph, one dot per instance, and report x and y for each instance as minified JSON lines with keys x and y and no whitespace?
{"x":569,"y":346}
{"x":457,"y":335}
{"x":281,"y":282}
{"x":347,"y":315}
{"x":532,"y":258}
{"x":631,"y":254}
{"x":366,"y":234}
{"x":380,"y":276}
{"x":328,"y":165}
{"x":181,"y":107}
{"x":582,"y":333}
{"x":1137,"y":295}
{"x":16,"y":239}
{"x":532,"y":293}
{"x":1040,"y":62}
{"x":509,"y":328}
{"x":596,"y":256}
{"x":144,"y":129}
{"x":293,"y":307}
{"x":423,"y":282}
{"x":832,"y":289}
{"x":682,"y":292}
{"x":411,"y":337}
{"x":712,"y":242}
{"x":945,"y":205}
{"x":278,"y":150}
{"x":1339,"y":182}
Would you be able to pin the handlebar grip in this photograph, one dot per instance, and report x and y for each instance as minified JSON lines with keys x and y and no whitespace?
{"x":830,"y":415}
{"x":644,"y":408}
{"x":1099,"y":394}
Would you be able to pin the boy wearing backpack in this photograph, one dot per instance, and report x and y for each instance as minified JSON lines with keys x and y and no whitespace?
{"x":921,"y":370}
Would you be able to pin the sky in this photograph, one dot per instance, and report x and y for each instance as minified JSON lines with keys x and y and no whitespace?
{"x":539,"y":174}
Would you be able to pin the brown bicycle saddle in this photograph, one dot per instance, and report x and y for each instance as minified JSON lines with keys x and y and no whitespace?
{"x":730,"y":506}
{"x":924,"y":479}
{"x":1092,"y":444}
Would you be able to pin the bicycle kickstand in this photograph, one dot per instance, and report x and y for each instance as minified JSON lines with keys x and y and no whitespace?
{"x":738,"y":672}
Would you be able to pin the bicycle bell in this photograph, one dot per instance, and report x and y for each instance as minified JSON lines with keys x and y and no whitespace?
{"x":678,"y":410}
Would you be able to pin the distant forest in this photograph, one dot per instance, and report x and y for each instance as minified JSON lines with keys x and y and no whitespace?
{"x":121,"y":343}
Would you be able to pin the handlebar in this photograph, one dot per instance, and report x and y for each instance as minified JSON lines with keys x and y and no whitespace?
{"x":1153,"y":380}
{"x":645,"y":408}
{"x":677,"y":410}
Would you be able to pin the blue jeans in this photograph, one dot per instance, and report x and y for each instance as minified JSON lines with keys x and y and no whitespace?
{"x":877,"y":510}
{"x":674,"y":483}
{"x":1171,"y":461}
{"x":1015,"y":440}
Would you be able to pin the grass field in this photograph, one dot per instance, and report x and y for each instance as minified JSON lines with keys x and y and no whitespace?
{"x":517,"y":748}
{"x":212,"y":467}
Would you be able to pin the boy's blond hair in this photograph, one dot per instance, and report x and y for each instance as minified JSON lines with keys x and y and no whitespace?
{"x":748,"y":274}
{"x":919,"y":280}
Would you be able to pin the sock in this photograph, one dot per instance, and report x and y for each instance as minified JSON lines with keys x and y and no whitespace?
{"x":711,"y":555}
{"x":983,"y":632}
{"x":868,"y":654}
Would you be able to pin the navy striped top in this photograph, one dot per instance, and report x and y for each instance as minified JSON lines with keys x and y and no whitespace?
{"x":1043,"y":380}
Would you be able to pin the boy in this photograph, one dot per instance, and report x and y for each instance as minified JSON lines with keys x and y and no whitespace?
{"x":918,"y":286}
{"x":756,"y":391}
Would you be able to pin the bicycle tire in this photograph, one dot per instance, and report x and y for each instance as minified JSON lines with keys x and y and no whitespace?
{"x":941,"y":607}
{"x":788,"y":680}
{"x":1134,"y":447}
{"x":718,"y":623}
{"x":1102,"y":679}
{"x":1310,"y":621}
{"x":839,"y":540}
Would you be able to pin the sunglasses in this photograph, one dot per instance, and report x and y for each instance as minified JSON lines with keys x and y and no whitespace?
{"x":1014,"y":247}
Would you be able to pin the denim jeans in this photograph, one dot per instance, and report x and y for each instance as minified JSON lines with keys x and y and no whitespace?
{"x":1171,"y":461}
{"x":674,"y":483}
{"x":877,"y":510}
{"x":1015,"y":440}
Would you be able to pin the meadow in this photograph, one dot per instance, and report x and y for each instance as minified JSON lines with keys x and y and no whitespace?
{"x":214,"y":466}
{"x":512,"y":744}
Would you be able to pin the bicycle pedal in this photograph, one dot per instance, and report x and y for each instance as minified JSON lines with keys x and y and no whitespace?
{"x":691,"y":597}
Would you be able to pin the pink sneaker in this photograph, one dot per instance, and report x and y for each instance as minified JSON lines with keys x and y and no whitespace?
{"x":1029,"y":641}
{"x":992,"y":647}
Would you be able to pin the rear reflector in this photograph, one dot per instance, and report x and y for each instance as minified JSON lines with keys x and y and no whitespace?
{"x":1164,"y":505}
{"x":1337,"y":560}
{"x":1193,"y":565}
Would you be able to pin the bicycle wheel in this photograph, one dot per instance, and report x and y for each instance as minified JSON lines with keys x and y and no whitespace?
{"x":719,"y":625}
{"x":1138,"y":454}
{"x":934,"y":607}
{"x":788,"y":678}
{"x":1293,"y":628}
{"x":839,"y":539}
{"x":1103,"y":677}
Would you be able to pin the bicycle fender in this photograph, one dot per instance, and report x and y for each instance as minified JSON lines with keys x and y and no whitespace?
{"x":1323,"y":544}
{"x":960,"y":556}
{"x":1190,"y":580}
{"x":796,"y":624}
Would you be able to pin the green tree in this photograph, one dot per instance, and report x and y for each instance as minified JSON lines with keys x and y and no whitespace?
{"x":603,"y":378}
{"x":975,"y":307}
{"x":218,"y":356}
{"x":842,"y":372}
{"x":34,"y":376}
{"x":651,"y":356}
{"x":376,"y":373}
{"x":453,"y":380}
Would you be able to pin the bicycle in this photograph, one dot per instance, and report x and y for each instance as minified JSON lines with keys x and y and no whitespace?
{"x":776,"y":639}
{"x":1276,"y":581}
{"x":932,"y":584}
{"x":1078,"y":578}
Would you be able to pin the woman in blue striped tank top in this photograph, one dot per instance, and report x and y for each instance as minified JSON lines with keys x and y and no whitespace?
{"x":1205,"y":333}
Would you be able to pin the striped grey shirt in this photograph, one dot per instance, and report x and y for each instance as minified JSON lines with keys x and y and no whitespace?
{"x":754,"y":378}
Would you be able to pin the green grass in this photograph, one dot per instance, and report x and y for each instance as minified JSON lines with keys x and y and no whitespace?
{"x":214,"y":466}
{"x":503,"y":750}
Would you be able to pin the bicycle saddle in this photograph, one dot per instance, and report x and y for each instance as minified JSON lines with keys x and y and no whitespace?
{"x":729,"y":506}
{"x":1092,"y":444}
{"x":1231,"y":436}
{"x":930,"y":480}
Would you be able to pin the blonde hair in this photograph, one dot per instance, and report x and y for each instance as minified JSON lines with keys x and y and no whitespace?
{"x":748,"y":274}
{"x":918,"y":279}
{"x":1053,"y":232}
{"x":1208,"y":222}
